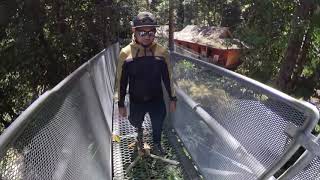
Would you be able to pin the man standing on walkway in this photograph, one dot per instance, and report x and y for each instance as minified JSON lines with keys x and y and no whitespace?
{"x":144,"y":65}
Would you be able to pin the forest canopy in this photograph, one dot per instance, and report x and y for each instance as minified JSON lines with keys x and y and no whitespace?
{"x":43,"y":41}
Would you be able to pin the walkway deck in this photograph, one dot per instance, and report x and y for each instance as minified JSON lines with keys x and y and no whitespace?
{"x":148,"y":168}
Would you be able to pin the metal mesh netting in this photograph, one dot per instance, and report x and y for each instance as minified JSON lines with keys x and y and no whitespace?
{"x":256,"y":120}
{"x":311,"y":171}
{"x":208,"y":150}
{"x":66,"y":133}
{"x":103,"y":75}
{"x":146,"y":168}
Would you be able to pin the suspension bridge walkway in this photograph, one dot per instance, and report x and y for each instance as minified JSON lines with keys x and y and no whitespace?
{"x":226,"y":127}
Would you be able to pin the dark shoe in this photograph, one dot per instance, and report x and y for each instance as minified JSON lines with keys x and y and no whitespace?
{"x":140,"y":138}
{"x":138,"y":149}
{"x":158,"y":150}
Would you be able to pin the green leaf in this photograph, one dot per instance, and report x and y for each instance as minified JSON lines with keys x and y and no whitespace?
{"x":316,"y":17}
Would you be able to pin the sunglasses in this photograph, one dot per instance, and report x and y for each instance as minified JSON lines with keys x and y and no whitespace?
{"x":146,"y":33}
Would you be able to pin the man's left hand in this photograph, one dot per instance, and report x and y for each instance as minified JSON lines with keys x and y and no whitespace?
{"x":172,"y":106}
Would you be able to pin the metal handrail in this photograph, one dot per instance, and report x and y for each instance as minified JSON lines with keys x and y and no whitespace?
{"x":311,"y":113}
{"x":19,"y":125}
{"x":232,"y":142}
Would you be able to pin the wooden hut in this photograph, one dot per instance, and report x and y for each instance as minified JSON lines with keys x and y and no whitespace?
{"x":214,"y":43}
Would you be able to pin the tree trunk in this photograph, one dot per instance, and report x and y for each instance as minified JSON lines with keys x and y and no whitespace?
{"x":153,"y":5}
{"x":302,"y":59}
{"x":7,"y":9}
{"x":180,"y":15}
{"x":171,"y":25}
{"x":299,"y":23}
{"x":148,"y":4}
{"x":100,"y":24}
{"x":106,"y":24}
{"x":61,"y":25}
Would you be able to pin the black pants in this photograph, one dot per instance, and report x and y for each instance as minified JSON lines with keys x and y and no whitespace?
{"x":157,"y":112}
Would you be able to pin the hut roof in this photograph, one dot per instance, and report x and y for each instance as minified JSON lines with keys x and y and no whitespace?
{"x":213,"y":36}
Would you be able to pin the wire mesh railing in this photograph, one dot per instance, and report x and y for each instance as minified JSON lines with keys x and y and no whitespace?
{"x":233,"y":126}
{"x":124,"y":154}
{"x":307,"y":167}
{"x":66,"y":133}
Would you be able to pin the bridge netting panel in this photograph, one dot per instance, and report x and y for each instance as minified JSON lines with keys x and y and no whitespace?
{"x":233,"y":127}
{"x":244,"y":133}
{"x":308,"y":168}
{"x":66,"y":133}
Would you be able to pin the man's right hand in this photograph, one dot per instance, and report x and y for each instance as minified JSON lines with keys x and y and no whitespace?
{"x":123,"y":111}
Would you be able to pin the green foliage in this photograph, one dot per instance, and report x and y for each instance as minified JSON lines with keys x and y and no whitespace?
{"x":314,"y":64}
{"x":317,"y":129}
{"x":38,"y":48}
{"x":41,"y":42}
{"x":316,"y":16}
{"x":265,"y":30}
{"x":187,"y":65}
{"x":162,"y":12}
{"x":231,"y":15}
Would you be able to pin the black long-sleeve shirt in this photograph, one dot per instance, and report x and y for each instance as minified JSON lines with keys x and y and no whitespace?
{"x":144,"y":68}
